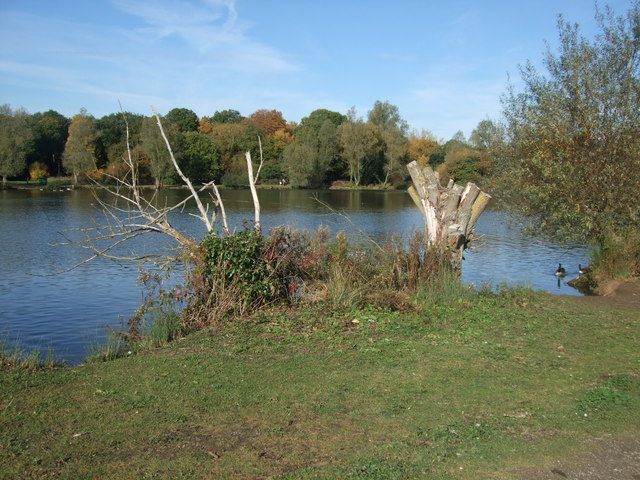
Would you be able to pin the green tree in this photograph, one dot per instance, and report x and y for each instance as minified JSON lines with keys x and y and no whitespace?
{"x":51,"y":130}
{"x":185,"y":119}
{"x":311,"y":125}
{"x":226,"y":116}
{"x":299,"y":162}
{"x":200,"y":160}
{"x":393,"y":133}
{"x":153,"y":146}
{"x":16,"y":137}
{"x":111,"y":130}
{"x":387,"y":117}
{"x":360,"y":146}
{"x":487,"y":136}
{"x":573,"y":159}
{"x":78,"y":157}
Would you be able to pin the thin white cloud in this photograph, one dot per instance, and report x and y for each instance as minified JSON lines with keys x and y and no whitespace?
{"x":210,"y":28}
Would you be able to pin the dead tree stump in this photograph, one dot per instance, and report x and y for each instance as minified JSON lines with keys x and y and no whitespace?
{"x":449,"y":213}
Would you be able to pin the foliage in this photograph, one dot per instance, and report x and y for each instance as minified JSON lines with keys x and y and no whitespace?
{"x":153,"y":146}
{"x":50,"y":130}
{"x":38,"y":171}
{"x":360,"y":146}
{"x":420,"y":147}
{"x":241,"y":272}
{"x":299,"y":162}
{"x":226,"y":116}
{"x":311,"y":125}
{"x":111,"y":130}
{"x":617,"y":255}
{"x":387,"y":117}
{"x":310,"y":161}
{"x":464,"y":165}
{"x":185,"y":119}
{"x":200,"y":160}
{"x":572,"y":162}
{"x":266,"y":122}
{"x":79,"y":150}
{"x":15,"y":141}
{"x":488,"y":136}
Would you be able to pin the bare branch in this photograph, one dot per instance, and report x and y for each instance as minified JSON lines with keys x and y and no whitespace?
{"x":194,"y":194}
{"x":254,"y":193}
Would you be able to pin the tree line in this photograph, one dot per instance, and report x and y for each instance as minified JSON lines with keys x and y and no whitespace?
{"x":324,"y":148}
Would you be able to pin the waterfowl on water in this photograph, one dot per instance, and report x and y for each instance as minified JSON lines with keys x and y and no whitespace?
{"x":560,"y":272}
{"x":583,"y":270}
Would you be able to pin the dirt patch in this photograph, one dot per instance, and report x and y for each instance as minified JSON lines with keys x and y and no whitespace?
{"x":615,"y":294}
{"x":604,"y":459}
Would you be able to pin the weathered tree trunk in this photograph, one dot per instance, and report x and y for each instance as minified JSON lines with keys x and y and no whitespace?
{"x":449,"y":213}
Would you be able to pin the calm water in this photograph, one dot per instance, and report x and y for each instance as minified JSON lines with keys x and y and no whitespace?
{"x":69,"y":311}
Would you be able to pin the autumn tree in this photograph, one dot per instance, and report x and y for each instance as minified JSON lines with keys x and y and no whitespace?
{"x":266,"y":122}
{"x":16,"y":137}
{"x":573,"y":160}
{"x":420,"y":147}
{"x":79,"y":150}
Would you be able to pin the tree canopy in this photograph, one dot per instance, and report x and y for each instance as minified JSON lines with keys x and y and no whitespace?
{"x":185,"y":119}
{"x":572,"y":158}
{"x":16,"y":138}
{"x":79,"y":150}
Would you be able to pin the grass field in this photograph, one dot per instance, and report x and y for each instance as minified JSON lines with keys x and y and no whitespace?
{"x":479,"y":388}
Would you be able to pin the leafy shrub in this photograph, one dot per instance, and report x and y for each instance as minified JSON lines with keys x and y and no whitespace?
{"x":38,"y":171}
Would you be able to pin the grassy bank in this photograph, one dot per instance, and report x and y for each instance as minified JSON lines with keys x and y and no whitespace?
{"x":484,"y":387}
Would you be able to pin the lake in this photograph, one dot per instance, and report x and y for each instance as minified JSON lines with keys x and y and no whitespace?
{"x":67,"y":312}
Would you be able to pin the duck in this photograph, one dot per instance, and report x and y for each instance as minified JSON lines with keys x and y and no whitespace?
{"x":582,"y":270}
{"x":560,"y":272}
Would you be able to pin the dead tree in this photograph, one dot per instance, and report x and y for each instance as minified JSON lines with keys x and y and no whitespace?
{"x":129,"y":214}
{"x":450,"y":213}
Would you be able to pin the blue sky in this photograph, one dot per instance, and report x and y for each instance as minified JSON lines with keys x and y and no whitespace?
{"x":444,"y":64}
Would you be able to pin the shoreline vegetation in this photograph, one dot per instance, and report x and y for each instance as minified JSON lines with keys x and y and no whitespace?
{"x":67,"y":182}
{"x":461,"y":384}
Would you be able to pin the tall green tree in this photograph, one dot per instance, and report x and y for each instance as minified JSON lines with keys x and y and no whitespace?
{"x":185,"y":119}
{"x":226,"y":116}
{"x":387,"y":117}
{"x":393,"y":132}
{"x":311,"y":125}
{"x":299,"y":164}
{"x":573,"y":161}
{"x":51,"y":130}
{"x":16,"y":136}
{"x":360,"y":146}
{"x":200,"y":160}
{"x":153,"y":146}
{"x":78,"y":157}
{"x":111,"y":131}
{"x":488,"y":136}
